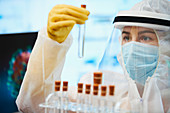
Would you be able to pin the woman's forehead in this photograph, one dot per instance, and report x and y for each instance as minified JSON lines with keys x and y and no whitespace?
{"x":137,"y":28}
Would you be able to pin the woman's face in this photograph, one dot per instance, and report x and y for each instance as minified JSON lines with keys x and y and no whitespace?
{"x":139,"y":34}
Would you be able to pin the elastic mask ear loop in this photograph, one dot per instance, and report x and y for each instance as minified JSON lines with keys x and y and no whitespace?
{"x":158,"y":53}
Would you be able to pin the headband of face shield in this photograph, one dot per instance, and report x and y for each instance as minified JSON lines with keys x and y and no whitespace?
{"x":138,"y":34}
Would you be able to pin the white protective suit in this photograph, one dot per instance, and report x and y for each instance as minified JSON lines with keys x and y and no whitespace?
{"x":47,"y":60}
{"x":44,"y":67}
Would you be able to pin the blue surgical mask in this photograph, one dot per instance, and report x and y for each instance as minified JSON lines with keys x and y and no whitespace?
{"x":140,"y":60}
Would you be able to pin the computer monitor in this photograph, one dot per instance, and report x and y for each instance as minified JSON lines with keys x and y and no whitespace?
{"x":14,"y":54}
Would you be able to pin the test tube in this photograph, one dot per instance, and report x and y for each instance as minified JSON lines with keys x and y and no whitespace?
{"x":58,"y":96}
{"x":79,"y":97}
{"x":81,"y":37}
{"x":111,"y":99}
{"x":87,"y":99}
{"x":65,"y":96}
{"x":53,"y":99}
{"x":95,"y":101}
{"x":103,"y":99}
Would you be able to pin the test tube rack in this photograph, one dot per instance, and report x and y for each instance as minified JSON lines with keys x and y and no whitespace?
{"x":91,"y":98}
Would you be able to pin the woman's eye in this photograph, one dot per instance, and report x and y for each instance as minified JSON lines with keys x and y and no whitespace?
{"x":126,"y":38}
{"x":145,"y":38}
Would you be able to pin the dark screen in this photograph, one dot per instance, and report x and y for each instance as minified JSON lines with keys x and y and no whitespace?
{"x":13,"y":47}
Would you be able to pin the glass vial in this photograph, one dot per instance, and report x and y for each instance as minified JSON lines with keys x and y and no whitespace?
{"x":79,"y":97}
{"x":81,"y":38}
{"x":111,"y":99}
{"x":64,"y":99}
{"x":95,"y":99}
{"x":103,"y":101}
{"x":56,"y":99}
{"x":87,"y":99}
{"x":53,"y":99}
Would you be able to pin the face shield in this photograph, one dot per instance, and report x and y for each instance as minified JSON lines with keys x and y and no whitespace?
{"x":109,"y":60}
{"x":137,"y":38}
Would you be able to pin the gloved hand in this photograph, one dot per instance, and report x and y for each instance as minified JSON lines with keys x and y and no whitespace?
{"x":61,"y":20}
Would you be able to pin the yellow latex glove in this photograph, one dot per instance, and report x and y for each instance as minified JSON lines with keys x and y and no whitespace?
{"x":61,"y":20}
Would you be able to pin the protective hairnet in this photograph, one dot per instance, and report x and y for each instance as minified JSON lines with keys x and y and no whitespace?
{"x":162,"y":7}
{"x":157,"y":6}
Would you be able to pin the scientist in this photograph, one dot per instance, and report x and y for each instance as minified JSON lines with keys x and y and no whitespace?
{"x":145,"y":54}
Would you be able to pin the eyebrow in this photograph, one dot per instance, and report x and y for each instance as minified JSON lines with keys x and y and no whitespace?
{"x":126,"y":32}
{"x":146,"y":31}
{"x":141,"y":32}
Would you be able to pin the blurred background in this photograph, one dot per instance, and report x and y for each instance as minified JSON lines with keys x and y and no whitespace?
{"x":20,"y":20}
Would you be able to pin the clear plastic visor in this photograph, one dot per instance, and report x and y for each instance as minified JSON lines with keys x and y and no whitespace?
{"x":139,"y":48}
